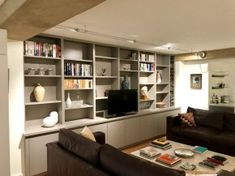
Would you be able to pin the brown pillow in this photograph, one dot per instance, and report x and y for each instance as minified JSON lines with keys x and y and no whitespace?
{"x":187,"y":119}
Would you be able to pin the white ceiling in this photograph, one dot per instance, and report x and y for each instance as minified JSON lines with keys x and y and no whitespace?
{"x":190,"y":25}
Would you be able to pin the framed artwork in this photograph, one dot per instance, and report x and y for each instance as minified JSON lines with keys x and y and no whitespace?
{"x":196,"y":81}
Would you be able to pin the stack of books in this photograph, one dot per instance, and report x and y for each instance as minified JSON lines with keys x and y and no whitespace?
{"x":168,"y":159}
{"x":161,"y":143}
{"x":149,"y":152}
{"x":213,"y":161}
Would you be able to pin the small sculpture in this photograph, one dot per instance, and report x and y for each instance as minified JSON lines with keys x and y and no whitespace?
{"x":144,"y":92}
{"x":51,"y":120}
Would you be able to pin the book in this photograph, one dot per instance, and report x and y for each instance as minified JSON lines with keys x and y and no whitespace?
{"x":149,"y":152}
{"x":199,"y":149}
{"x":218,"y":159}
{"x":165,"y":147}
{"x":208,"y":164}
{"x":168,"y":159}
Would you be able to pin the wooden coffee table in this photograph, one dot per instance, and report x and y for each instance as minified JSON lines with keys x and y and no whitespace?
{"x":194,"y":160}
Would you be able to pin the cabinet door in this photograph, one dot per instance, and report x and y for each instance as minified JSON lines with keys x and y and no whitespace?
{"x":148,"y":126}
{"x":132,"y":131}
{"x":162,"y":120}
{"x":116,"y":133}
{"x":36,"y":153}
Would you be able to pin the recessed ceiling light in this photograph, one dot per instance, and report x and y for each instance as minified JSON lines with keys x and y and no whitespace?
{"x":131,"y":41}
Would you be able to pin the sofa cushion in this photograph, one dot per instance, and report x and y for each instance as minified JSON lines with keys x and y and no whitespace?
{"x":207,"y":118}
{"x":229,"y":122}
{"x":200,"y":133}
{"x":79,"y":145}
{"x":187,"y":119}
{"x":87,"y":133}
{"x":118,"y":163}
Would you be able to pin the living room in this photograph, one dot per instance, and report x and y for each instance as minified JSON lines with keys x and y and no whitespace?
{"x":200,"y":42}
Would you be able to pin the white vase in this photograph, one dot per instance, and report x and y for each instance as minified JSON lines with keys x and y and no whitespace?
{"x":159,"y":77}
{"x":39,"y":93}
{"x":68,"y":101}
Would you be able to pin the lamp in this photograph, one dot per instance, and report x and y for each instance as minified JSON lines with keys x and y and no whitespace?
{"x":201,"y":54}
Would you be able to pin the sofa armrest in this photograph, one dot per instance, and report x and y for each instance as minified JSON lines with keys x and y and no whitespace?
{"x":99,"y":137}
{"x":171,"y":122}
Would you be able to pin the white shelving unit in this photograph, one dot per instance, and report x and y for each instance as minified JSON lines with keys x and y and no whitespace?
{"x":107,"y":66}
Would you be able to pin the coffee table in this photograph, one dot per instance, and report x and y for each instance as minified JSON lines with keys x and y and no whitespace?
{"x":230,"y":166}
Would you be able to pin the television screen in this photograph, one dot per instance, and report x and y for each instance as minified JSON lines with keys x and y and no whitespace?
{"x":121,"y":102}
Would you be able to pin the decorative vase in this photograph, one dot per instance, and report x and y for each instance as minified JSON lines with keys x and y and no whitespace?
{"x":159,"y":77}
{"x":68,"y":101}
{"x":39,"y":93}
{"x":125,"y":83}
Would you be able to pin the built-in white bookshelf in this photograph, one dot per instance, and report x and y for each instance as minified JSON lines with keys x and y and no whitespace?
{"x":87,"y":71}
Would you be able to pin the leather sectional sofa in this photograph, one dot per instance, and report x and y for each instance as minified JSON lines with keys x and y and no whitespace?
{"x":214,"y":130}
{"x":76,"y":155}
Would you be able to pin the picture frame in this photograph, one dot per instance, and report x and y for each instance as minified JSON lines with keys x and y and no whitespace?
{"x":196,"y":81}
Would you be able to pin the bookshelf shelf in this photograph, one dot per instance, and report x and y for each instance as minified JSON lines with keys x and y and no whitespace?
{"x":42,"y":76}
{"x":105,"y":58}
{"x":79,"y":107}
{"x":42,"y":57}
{"x":43,"y":103}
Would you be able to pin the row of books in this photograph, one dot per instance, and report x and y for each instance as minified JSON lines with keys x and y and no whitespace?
{"x":146,"y":57}
{"x":76,"y":69}
{"x":147,"y":67}
{"x":32,"y":48}
{"x":78,"y":84}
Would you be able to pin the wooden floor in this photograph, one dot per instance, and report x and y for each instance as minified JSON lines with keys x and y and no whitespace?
{"x":136,"y":147}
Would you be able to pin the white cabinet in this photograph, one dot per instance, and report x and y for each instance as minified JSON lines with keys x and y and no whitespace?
{"x":119,"y":133}
{"x":36,"y":153}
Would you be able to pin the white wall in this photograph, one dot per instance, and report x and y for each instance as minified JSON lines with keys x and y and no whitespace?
{"x":226,"y":65}
{"x":16,"y":106}
{"x":4,"y":124}
{"x":184,"y":95}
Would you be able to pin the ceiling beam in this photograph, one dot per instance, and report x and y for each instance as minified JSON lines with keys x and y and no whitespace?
{"x":212,"y":54}
{"x":26,"y":18}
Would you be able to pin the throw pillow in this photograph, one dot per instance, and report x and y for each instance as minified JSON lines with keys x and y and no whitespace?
{"x":87,"y":133}
{"x":187,"y":119}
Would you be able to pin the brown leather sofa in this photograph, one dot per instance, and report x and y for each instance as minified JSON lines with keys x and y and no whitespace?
{"x":214,"y":130}
{"x":74,"y":155}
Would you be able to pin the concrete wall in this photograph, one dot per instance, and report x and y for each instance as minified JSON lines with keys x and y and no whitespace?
{"x":4,"y":117}
{"x":185,"y":95}
{"x":16,"y":106}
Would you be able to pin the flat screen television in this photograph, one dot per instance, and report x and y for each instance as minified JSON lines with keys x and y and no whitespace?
{"x":122,"y":102}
